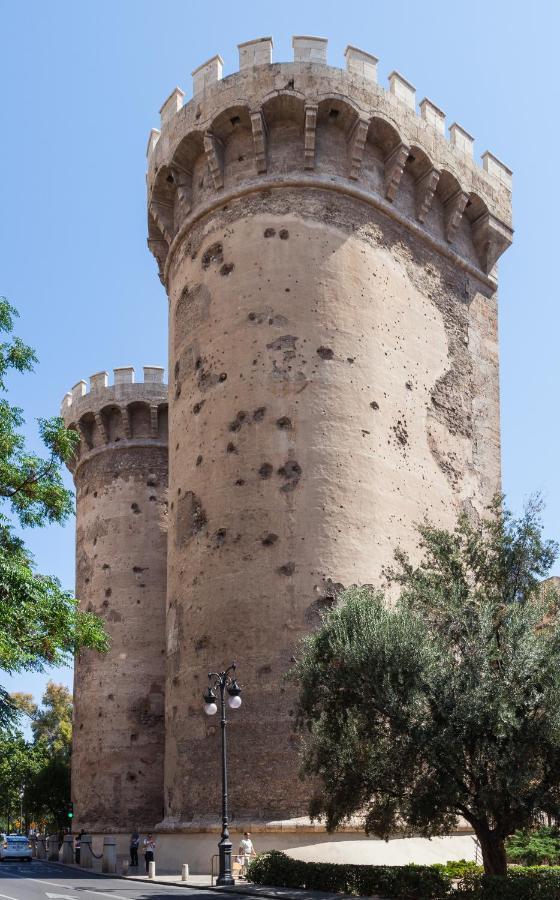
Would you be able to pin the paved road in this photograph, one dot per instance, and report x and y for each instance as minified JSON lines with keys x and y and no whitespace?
{"x":41,"y":881}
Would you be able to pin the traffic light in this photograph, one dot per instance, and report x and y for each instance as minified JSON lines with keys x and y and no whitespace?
{"x":70,"y":811}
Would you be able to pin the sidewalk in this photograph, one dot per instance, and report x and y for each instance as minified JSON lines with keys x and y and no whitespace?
{"x":253,"y":890}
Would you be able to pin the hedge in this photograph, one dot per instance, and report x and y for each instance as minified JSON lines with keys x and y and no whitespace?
{"x":406,"y":882}
{"x":398,"y":882}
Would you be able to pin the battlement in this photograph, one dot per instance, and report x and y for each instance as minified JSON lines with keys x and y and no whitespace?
{"x":199,"y":154}
{"x":124,"y":411}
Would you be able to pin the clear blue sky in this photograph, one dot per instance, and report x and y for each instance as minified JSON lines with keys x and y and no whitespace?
{"x":81,"y":85}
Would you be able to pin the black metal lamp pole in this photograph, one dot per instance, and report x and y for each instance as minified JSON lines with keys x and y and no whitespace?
{"x":223,"y":681}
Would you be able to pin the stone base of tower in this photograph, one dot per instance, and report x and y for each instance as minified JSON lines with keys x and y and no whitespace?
{"x":197,"y":844}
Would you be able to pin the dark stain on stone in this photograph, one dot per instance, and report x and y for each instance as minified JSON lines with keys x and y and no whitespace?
{"x":108,"y":592}
{"x":240,"y":482}
{"x":284,"y":423}
{"x":269,"y":232}
{"x":325,"y":353}
{"x":400,"y":432}
{"x":227,"y":269}
{"x":284,"y":234}
{"x":135,"y":508}
{"x":374,"y":405}
{"x":231,"y":448}
{"x":269,"y":539}
{"x":220,"y":536}
{"x":238,"y":421}
{"x":202,"y":643}
{"x":291,"y":471}
{"x":139,"y":568}
{"x":214,"y":254}
{"x":197,"y":407}
{"x":266,"y":470}
{"x":287,"y":569}
{"x":259,"y":414}
{"x":285,"y":342}
{"x":199,"y":459}
{"x":191,"y":517}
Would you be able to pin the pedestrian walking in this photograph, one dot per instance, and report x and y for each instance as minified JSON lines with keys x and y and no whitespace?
{"x":134,"y":844}
{"x":246,"y":852}
{"x":149,"y":851}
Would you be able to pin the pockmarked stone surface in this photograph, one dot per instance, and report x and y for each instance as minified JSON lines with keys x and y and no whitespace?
{"x":120,"y":474}
{"x":330,"y":261}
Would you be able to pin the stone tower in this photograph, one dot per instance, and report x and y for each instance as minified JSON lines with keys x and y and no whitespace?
{"x":329,"y":256}
{"x":120,"y":474}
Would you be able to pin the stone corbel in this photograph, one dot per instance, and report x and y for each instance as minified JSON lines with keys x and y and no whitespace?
{"x":101,"y":426}
{"x":162,"y":215}
{"x":311,"y":110}
{"x":453,"y":213}
{"x":356,"y":144}
{"x":214,"y":157}
{"x":425,"y":190}
{"x":183,"y":197}
{"x":490,"y":238}
{"x":394,"y":167}
{"x":258,"y":127}
{"x":126,"y":422}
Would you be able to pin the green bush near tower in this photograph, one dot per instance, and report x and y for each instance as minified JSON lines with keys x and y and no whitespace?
{"x":461,"y":880}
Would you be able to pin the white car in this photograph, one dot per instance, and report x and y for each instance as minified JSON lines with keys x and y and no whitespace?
{"x":16,"y":846}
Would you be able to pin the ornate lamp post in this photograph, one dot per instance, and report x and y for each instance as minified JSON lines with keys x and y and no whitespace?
{"x":222,"y":682}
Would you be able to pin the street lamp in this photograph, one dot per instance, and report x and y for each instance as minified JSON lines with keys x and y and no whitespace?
{"x":222,"y":682}
{"x":21,"y":796}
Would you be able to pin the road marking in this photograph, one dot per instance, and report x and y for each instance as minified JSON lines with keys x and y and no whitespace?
{"x":5,"y":897}
{"x":73,"y":887}
{"x":60,"y":896}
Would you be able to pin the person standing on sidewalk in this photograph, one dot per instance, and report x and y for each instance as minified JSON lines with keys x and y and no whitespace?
{"x":149,"y":851}
{"x":134,"y":844}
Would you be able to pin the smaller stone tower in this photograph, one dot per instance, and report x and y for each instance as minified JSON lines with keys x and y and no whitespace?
{"x":120,"y":474}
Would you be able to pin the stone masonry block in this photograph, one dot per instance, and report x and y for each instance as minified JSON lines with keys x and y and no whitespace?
{"x":255,"y":53}
{"x":152,"y":141}
{"x":78,"y":391}
{"x":361,"y":63}
{"x":461,"y":139}
{"x":124,"y":375}
{"x":207,"y":74}
{"x":433,"y":115}
{"x":153,"y":374}
{"x":172,"y":105}
{"x":99,"y":381}
{"x":402,"y":89}
{"x":309,"y":49}
{"x":496,"y":168}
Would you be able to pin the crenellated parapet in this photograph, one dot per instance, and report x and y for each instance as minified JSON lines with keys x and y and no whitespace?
{"x":308,"y":125}
{"x":109,"y":415}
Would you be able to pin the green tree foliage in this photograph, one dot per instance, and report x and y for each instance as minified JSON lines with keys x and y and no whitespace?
{"x":41,"y":766}
{"x":535,"y":848}
{"x":40,"y":623}
{"x":447,"y":703}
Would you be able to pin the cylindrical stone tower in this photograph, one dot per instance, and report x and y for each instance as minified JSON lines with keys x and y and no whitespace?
{"x":329,"y":256}
{"x":120,"y":473}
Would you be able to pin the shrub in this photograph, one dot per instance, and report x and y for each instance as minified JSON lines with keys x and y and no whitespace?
{"x":542,"y":883}
{"x":534,"y":848}
{"x":457,"y":868}
{"x":399,"y":882}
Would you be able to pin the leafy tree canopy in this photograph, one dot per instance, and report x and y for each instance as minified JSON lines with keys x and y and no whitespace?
{"x":40,"y":623}
{"x":445,"y":705}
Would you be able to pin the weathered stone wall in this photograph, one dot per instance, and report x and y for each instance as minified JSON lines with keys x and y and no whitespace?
{"x":329,"y":259}
{"x":121,"y":482}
